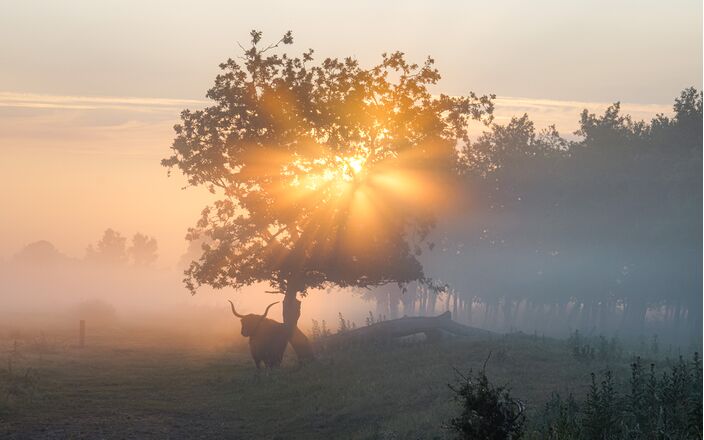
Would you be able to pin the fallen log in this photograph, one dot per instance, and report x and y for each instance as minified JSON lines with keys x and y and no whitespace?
{"x":432,"y":327}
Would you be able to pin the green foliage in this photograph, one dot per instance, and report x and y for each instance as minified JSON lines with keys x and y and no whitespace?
{"x":642,"y":401}
{"x":586,"y":349}
{"x":366,"y":391}
{"x":488,"y":411}
{"x":668,"y":406}
{"x":560,"y":418}
{"x":586,"y":209}
{"x":601,"y":408}
{"x":17,"y":385}
{"x":319,"y":330}
{"x":344,"y":324}
{"x":581,"y":350}
{"x":370,"y":320}
{"x":694,"y":398}
{"x":652,"y":407}
{"x":680,"y":399}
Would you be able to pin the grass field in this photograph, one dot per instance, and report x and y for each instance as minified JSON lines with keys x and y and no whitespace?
{"x":147,"y":387}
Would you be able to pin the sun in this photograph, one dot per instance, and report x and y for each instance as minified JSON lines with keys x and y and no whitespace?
{"x":350,"y":167}
{"x":356,"y":163}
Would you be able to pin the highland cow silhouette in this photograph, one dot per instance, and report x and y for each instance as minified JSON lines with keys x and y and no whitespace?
{"x":267,"y":338}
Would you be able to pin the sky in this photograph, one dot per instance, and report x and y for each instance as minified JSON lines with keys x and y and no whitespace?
{"x":89,"y":91}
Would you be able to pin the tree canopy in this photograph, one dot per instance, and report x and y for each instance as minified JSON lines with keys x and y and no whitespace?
{"x":327,"y":172}
{"x":609,"y":222}
{"x":110,"y":249}
{"x":143,"y":250}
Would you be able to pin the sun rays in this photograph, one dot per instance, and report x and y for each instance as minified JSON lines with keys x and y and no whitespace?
{"x":350,"y":208}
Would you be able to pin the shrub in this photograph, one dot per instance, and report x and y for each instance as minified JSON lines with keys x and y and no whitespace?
{"x":601,"y":409}
{"x":560,"y":418}
{"x":488,"y":412}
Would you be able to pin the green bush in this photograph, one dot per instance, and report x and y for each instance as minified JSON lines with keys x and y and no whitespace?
{"x":560,"y":418}
{"x":652,"y":407}
{"x":488,"y":412}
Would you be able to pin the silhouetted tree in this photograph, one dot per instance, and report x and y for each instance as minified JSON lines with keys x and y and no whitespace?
{"x":595,"y":231}
{"x":39,"y":252}
{"x":315,"y":164}
{"x":193,"y":251}
{"x":143,"y":250}
{"x":111,"y":248}
{"x":487,"y":411}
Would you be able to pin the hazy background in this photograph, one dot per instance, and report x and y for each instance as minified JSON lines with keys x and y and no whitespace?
{"x":635,"y":51}
{"x":89,"y":92}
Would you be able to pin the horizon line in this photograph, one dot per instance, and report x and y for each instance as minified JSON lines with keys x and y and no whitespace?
{"x":141,"y":104}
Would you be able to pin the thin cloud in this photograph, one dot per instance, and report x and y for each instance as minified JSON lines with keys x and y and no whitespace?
{"x":33,"y":100}
{"x":511,"y":101}
{"x":54,"y":102}
{"x":564,"y":114}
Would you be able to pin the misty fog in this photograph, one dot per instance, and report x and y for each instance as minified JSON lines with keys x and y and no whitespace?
{"x":547,"y":236}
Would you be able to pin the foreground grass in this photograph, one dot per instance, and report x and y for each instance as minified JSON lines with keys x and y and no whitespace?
{"x":395,"y":390}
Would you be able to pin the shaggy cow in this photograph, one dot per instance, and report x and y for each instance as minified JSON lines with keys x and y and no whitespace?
{"x":267,"y":338}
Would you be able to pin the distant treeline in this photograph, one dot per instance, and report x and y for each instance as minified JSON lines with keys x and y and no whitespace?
{"x":603,"y":233}
{"x":112,"y":249}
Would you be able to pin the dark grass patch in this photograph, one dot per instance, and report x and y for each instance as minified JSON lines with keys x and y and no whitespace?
{"x":390,"y":390}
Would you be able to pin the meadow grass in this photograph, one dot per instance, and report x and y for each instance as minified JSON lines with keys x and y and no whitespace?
{"x":156,"y":390}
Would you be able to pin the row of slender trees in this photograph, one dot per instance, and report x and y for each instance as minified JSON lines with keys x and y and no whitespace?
{"x":600,"y":233}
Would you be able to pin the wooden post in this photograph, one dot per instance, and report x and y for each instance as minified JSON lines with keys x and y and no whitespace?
{"x":82,"y":334}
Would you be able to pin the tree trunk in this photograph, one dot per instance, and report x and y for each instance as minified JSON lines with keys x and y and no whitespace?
{"x":603,"y":322}
{"x":677,"y":315}
{"x":408,"y":299}
{"x":506,"y":309}
{"x":454,"y":305}
{"x":394,"y":301}
{"x":298,"y":340}
{"x":486,"y":314}
{"x":382,"y":303}
{"x":422,"y":303}
{"x":433,"y":299}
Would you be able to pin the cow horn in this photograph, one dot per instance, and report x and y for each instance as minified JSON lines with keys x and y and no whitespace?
{"x":267,"y":309}
{"x":234,"y":312}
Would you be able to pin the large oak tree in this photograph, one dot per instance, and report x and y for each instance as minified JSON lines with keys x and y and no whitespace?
{"x":327,"y":173}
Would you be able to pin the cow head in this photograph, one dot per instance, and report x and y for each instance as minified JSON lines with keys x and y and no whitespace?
{"x":251,"y":322}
